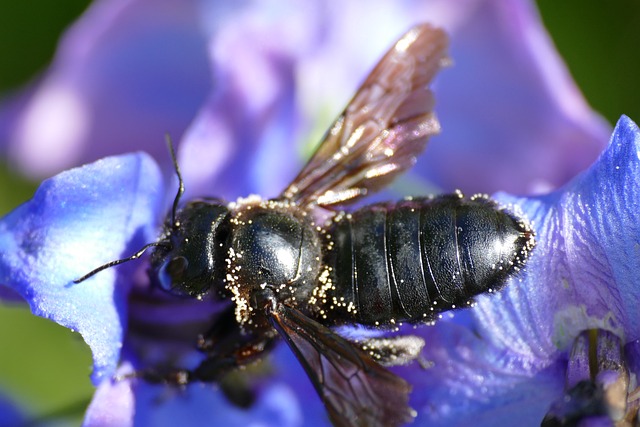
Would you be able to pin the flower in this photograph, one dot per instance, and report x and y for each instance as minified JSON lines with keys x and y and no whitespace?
{"x":512,"y":361}
{"x":11,"y":413}
{"x":127,"y":73}
{"x":88,"y":216}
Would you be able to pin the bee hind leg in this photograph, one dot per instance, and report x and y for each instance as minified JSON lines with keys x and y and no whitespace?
{"x":395,"y":351}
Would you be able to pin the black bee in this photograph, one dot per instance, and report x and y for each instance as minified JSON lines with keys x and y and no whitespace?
{"x":296,"y":266}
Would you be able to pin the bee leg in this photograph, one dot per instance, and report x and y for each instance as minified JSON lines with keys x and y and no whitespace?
{"x":220,"y":361}
{"x":394,"y":351}
{"x":223,"y":369}
{"x":225,"y":347}
{"x":174,"y":377}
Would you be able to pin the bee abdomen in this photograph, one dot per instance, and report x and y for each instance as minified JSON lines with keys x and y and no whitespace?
{"x":410,"y":260}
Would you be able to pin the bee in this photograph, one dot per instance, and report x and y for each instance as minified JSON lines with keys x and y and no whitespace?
{"x":298,"y":266}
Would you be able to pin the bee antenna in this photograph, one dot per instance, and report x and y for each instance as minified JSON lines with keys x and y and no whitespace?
{"x":119,"y":261}
{"x":174,"y":223}
{"x":176,"y":201}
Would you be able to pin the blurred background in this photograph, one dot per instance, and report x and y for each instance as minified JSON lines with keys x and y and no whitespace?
{"x":46,"y":368}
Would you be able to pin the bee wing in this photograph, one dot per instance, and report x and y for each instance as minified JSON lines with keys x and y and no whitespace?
{"x":382,"y":130}
{"x":355,"y":390}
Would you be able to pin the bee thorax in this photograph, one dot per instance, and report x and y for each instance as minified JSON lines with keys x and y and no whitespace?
{"x":273,"y":246}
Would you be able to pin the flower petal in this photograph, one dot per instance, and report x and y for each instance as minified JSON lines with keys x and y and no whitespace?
{"x":285,"y":399}
{"x":127,"y":73}
{"x":75,"y":222}
{"x":236,"y":143}
{"x":508,"y":98}
{"x":512,"y":118}
{"x":632,"y":353}
{"x":10,"y":413}
{"x":472,"y":382}
{"x":511,"y":361}
{"x":583,"y":272}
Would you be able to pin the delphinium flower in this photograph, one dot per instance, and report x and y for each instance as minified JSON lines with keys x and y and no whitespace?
{"x":11,"y":414}
{"x":564,"y":333}
{"x":271,"y":72}
{"x":85,"y":217}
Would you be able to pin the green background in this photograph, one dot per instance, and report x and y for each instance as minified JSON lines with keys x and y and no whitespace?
{"x":48,"y":366}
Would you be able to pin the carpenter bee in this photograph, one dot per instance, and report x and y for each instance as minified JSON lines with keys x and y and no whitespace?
{"x":296,"y":266}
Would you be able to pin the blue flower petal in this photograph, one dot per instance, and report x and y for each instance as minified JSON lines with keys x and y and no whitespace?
{"x":125,"y":74}
{"x":143,"y":404}
{"x":510,"y":362}
{"x":583,"y":271}
{"x":632,"y":353}
{"x":113,"y":404}
{"x":236,"y":143}
{"x":472,"y":382}
{"x":200,"y":405}
{"x":512,"y":118}
{"x":285,"y":398}
{"x":76,"y":221}
{"x":10,"y":414}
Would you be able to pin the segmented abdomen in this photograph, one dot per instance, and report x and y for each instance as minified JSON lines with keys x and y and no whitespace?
{"x":410,"y":260}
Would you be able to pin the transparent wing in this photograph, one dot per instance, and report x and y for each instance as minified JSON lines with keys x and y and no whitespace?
{"x":355,"y":390}
{"x":382,"y":130}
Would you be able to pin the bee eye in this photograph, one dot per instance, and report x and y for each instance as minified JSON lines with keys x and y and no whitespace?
{"x":172,"y":274}
{"x":177,"y":267}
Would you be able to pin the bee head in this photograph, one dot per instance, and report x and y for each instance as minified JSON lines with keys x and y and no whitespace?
{"x":192,"y":260}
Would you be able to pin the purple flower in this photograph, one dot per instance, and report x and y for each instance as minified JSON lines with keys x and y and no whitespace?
{"x":272,"y":74}
{"x":10,"y":413}
{"x":511,"y":362}
{"x":522,"y":351}
{"x":512,"y":121}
